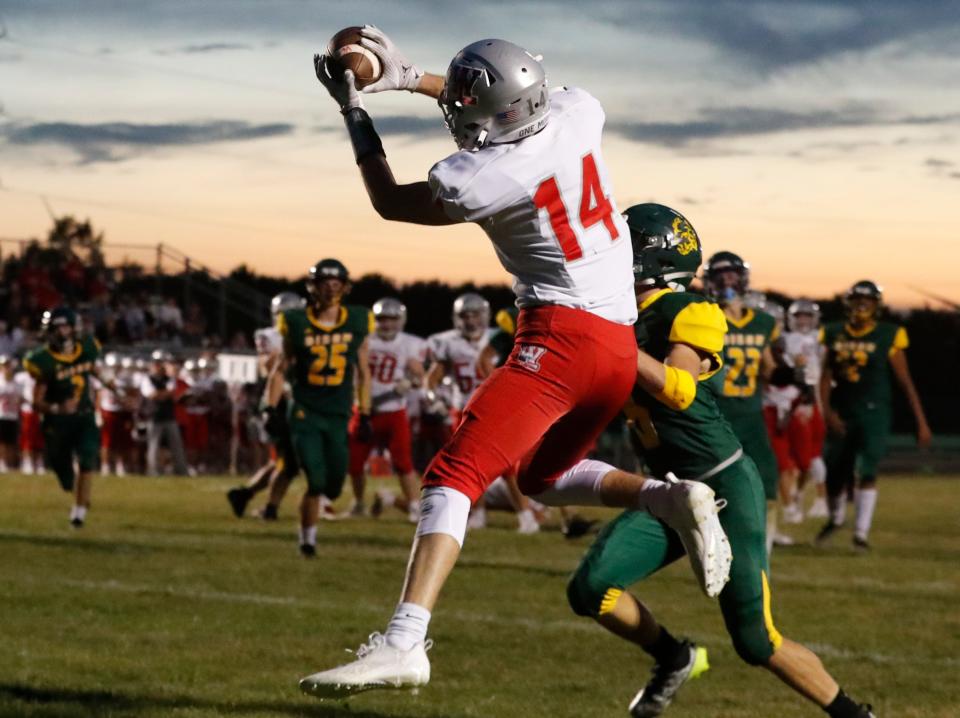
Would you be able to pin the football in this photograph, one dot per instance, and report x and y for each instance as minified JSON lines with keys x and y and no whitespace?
{"x":345,"y":48}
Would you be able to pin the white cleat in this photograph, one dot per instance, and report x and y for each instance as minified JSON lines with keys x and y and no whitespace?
{"x":818,"y":509}
{"x":527,"y":522}
{"x":693,"y":516}
{"x":377,"y":666}
{"x":792,"y":514}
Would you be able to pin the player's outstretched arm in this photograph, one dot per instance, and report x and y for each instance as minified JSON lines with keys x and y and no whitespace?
{"x":901,"y":370}
{"x":398,"y":73}
{"x":412,"y":203}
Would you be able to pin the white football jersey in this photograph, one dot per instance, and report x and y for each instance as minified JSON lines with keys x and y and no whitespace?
{"x":11,"y":397}
{"x":546,"y":202}
{"x":27,"y":382}
{"x":388,"y":365}
{"x":461,"y":354}
{"x":806,"y":345}
{"x":781,"y":398}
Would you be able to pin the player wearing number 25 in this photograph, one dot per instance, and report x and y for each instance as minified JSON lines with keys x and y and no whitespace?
{"x":62,"y":368}
{"x":325,"y":344}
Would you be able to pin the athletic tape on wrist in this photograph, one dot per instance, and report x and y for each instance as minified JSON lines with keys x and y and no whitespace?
{"x":363,"y":135}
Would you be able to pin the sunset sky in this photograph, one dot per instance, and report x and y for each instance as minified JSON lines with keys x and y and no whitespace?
{"x":821,"y":140}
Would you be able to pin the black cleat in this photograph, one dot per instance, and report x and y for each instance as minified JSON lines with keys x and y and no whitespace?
{"x":665,"y":681}
{"x":308,"y":550}
{"x":866,"y":711}
{"x":826,"y":533}
{"x":860,"y":545}
{"x":76,"y":522}
{"x":268,"y":513}
{"x":239,"y":498}
{"x":578,"y":527}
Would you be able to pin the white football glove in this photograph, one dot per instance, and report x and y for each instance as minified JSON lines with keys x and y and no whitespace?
{"x":342,"y":89}
{"x":398,"y":72}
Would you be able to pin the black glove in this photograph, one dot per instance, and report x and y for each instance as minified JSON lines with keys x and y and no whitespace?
{"x":364,"y":431}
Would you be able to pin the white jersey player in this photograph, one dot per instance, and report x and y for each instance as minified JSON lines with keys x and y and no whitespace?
{"x":456,"y":352}
{"x":529,"y":172}
{"x":11,"y":398}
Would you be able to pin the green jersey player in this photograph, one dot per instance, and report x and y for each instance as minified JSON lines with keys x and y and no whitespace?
{"x":861,"y":355}
{"x":749,"y":361}
{"x":62,"y":367}
{"x":325,"y":345}
{"x":690,"y":436}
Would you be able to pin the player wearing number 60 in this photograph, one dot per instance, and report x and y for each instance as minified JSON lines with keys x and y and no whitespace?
{"x":324,"y":345}
{"x":62,"y":368}
{"x":529,"y":171}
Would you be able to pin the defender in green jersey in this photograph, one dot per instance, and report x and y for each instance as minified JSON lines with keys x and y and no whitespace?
{"x":749,"y":362}
{"x":690,"y":437}
{"x":62,"y":368}
{"x":861,"y":355}
{"x":325,"y":345}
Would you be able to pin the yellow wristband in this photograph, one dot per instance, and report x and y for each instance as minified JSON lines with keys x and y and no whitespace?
{"x":679,"y":388}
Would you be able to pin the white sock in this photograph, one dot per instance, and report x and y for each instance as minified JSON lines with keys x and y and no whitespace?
{"x":308,"y":535}
{"x":408,"y":627}
{"x":817,"y":471}
{"x":865,"y":502}
{"x":578,"y":486}
{"x":838,"y":508}
{"x":78,"y":512}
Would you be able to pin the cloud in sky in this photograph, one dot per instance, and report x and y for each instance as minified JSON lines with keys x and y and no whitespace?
{"x":731,"y":122}
{"x":114,"y":141}
{"x":205,"y":47}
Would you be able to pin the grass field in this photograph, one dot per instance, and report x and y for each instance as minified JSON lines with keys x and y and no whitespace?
{"x":165,"y":605}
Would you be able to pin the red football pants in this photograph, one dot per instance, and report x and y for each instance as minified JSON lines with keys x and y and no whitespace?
{"x":569,"y":374}
{"x":390,"y":429}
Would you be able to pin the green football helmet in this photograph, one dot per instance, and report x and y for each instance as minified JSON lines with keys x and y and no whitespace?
{"x":666,"y":248}
{"x":858,"y":309}
{"x":327,"y":269}
{"x":52,"y":328}
{"x":715,"y":276}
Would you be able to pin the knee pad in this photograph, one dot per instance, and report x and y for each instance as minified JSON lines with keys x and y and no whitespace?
{"x":444,"y":510}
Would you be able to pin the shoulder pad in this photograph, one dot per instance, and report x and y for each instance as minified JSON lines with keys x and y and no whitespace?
{"x":701,"y":325}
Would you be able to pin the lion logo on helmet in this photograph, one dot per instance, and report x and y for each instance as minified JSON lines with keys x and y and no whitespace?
{"x":685,"y":236}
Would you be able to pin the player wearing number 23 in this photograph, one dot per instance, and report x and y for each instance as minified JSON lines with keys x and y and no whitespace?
{"x":325,"y":344}
{"x":62,"y":367}
{"x":748,"y":361}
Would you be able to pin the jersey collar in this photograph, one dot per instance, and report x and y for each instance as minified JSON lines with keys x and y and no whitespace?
{"x":67,"y":358}
{"x":859,"y":332}
{"x":652,"y":298}
{"x":743,"y":321}
{"x":341,"y":320}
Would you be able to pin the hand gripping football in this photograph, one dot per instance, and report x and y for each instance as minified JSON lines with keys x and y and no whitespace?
{"x":349,"y":54}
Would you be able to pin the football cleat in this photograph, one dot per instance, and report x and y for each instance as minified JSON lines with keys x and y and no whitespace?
{"x":818,"y":509}
{"x":76,"y":522}
{"x":239,"y":498}
{"x":268,"y":513}
{"x":358,"y":510}
{"x":377,"y":665}
{"x":578,"y":526}
{"x":866,"y":711}
{"x":782,"y":539}
{"x":792,"y":514}
{"x":860,"y":544}
{"x":664,"y":683}
{"x":826,"y":533}
{"x":308,"y":550}
{"x":527,"y":522}
{"x":692,"y":513}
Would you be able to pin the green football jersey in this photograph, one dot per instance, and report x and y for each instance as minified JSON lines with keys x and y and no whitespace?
{"x":324,"y":357}
{"x":743,"y":355}
{"x":860,"y":363}
{"x":692,"y":441}
{"x":65,"y":375}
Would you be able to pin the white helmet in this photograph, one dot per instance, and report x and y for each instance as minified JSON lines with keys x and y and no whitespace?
{"x":803,"y":306}
{"x":473,"y":303}
{"x":494,"y":92}
{"x":284,"y":301}
{"x":390,"y":308}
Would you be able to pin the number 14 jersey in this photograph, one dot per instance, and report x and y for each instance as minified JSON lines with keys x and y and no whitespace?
{"x":546,"y":202}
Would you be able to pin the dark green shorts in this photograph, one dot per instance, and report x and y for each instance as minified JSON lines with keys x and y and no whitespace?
{"x":859,"y":450}
{"x":636,"y":545}
{"x":66,"y":437}
{"x":320,"y":444}
{"x":751,"y":430}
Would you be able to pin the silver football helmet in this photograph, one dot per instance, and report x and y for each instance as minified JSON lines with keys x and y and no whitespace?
{"x":284,"y":301}
{"x":495,"y":92}
{"x":801,"y":307}
{"x":389,"y":308}
{"x":471,"y":315}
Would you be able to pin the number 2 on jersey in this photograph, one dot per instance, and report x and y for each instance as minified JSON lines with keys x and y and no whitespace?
{"x":594,"y":207}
